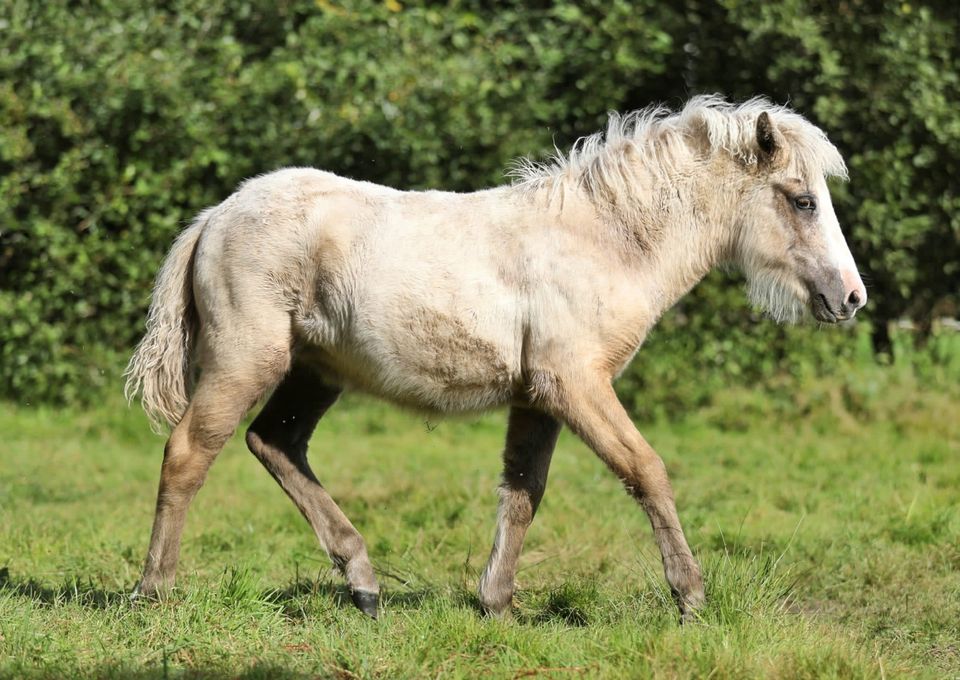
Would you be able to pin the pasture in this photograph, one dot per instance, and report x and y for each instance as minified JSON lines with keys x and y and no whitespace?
{"x":830,"y":544}
{"x":816,"y":471}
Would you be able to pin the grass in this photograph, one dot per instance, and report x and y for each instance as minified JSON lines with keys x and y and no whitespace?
{"x":830,"y":543}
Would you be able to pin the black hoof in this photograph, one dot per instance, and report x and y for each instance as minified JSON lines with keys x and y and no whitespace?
{"x":366,"y":602}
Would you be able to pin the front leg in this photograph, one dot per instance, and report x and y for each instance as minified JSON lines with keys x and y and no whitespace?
{"x":591,"y":409}
{"x":531,"y":437}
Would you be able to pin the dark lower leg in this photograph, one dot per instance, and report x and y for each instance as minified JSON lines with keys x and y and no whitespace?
{"x":278,"y":438}
{"x":531,"y":437}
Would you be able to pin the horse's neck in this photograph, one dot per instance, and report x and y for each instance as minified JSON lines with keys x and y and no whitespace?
{"x":671,"y":238}
{"x":695,"y":241}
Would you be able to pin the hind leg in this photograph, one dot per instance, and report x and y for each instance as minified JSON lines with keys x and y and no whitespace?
{"x":278,"y":438}
{"x":531,"y":437}
{"x":221,"y":398}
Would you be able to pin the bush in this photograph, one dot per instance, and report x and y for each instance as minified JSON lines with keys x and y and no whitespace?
{"x":119,"y":120}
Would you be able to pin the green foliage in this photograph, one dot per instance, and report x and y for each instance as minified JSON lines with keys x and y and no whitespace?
{"x":743,"y":373}
{"x":119,"y":120}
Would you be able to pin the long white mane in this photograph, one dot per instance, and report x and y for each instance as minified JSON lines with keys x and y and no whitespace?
{"x":660,"y":139}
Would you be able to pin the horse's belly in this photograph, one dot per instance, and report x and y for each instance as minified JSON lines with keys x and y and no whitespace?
{"x":437,"y":384}
{"x":424,"y":360}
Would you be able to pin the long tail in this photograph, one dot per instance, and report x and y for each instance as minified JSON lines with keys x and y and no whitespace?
{"x":159,"y":369}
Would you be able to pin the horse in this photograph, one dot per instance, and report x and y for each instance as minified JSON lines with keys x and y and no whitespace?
{"x":533,"y":295}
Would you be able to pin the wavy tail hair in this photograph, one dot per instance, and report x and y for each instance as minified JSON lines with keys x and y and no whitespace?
{"x":159,"y":369}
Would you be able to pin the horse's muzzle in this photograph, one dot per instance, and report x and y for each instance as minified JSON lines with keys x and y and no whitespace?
{"x":823,"y":311}
{"x":832,"y":299}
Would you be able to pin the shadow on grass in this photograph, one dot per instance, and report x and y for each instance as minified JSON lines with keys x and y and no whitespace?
{"x":569,"y":604}
{"x":291,"y":599}
{"x":84,"y":593}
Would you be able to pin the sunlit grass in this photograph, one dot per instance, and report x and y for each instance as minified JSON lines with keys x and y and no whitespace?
{"x":830,"y":546}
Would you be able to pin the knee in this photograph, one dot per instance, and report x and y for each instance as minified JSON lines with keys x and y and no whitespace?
{"x":178,"y":457}
{"x":183,"y":472}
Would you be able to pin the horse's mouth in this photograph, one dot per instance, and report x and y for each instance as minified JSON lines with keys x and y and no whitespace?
{"x":821,"y":309}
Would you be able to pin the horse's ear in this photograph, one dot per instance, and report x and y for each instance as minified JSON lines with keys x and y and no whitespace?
{"x":769,"y":139}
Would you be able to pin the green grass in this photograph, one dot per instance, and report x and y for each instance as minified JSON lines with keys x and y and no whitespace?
{"x":830,"y":543}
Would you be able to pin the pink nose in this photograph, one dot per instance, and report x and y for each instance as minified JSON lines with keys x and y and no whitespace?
{"x":856,"y":296}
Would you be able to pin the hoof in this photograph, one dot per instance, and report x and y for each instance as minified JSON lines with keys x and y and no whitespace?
{"x":503,"y":612}
{"x":366,"y":602}
{"x":151,"y":592}
{"x":689,"y":617}
{"x":690,"y":608}
{"x":141,"y":595}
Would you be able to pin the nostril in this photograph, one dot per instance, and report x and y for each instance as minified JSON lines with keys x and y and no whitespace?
{"x":854,"y":299}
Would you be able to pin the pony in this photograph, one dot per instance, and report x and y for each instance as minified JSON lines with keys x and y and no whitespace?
{"x":533,"y":295}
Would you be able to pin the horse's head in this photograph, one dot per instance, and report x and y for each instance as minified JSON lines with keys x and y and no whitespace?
{"x":790,"y":245}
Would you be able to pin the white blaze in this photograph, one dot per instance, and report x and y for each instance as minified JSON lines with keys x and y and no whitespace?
{"x":838,"y":251}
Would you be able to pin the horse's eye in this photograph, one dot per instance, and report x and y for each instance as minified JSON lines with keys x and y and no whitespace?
{"x":805,"y":203}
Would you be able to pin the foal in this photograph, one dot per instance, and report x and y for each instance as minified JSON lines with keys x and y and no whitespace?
{"x":533,"y":295}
